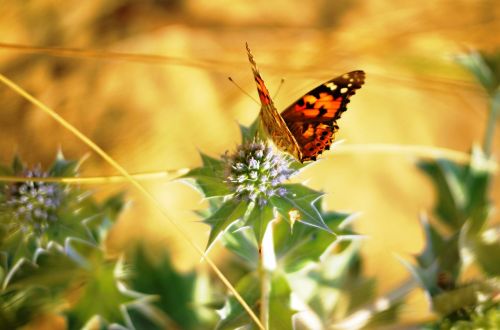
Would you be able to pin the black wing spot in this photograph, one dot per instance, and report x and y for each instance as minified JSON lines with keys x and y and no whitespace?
{"x":322,"y":111}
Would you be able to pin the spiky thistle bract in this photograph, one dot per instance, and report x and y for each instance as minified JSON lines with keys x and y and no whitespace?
{"x":249,"y":186}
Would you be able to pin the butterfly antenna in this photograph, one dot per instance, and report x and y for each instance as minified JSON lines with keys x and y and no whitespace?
{"x":279,"y":88}
{"x":242,"y":90}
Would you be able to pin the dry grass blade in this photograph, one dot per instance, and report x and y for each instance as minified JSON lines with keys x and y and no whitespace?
{"x":166,"y":175}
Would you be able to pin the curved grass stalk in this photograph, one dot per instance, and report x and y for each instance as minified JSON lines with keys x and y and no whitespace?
{"x":136,"y":184}
{"x":162,"y":175}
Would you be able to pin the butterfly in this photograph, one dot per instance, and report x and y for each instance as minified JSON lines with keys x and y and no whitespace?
{"x":307,"y":127}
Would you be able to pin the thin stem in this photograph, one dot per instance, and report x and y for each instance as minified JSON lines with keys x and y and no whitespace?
{"x":99,"y":179}
{"x":492,"y":118}
{"x":264,"y":291}
{"x":267,"y":263}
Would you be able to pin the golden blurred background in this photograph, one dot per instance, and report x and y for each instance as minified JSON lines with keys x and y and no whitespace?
{"x":156,"y":110}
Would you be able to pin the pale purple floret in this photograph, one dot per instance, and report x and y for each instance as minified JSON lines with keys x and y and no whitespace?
{"x":33,"y":204}
{"x":255,"y":172}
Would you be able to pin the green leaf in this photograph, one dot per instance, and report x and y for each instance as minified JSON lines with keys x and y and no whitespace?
{"x":208,"y":178}
{"x":17,"y":245}
{"x":226,"y":215}
{"x":451,"y":197}
{"x":434,"y":244}
{"x":249,"y":133}
{"x":19,"y":307}
{"x":62,"y":167}
{"x":102,"y":293}
{"x":51,"y":268}
{"x":464,"y":296}
{"x":211,"y":163}
{"x":427,"y":277}
{"x":483,"y":247}
{"x":233,"y":314}
{"x":301,"y":199}
{"x":99,"y":219}
{"x":242,"y":242}
{"x":461,"y":190}
{"x":444,"y":270}
{"x":280,"y":310}
{"x":259,"y":219}
{"x":297,"y":249}
{"x":176,"y":293}
{"x":17,"y":165}
{"x":486,"y":68}
{"x":335,"y":287}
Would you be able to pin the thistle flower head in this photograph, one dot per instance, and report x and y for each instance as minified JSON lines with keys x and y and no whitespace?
{"x":255,"y":172}
{"x":34,"y":204}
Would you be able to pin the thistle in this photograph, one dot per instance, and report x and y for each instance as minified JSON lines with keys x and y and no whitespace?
{"x":33,"y":204}
{"x":255,"y":172}
{"x":249,"y":187}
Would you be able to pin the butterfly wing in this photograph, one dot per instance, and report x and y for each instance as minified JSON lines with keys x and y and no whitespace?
{"x":272,"y":121}
{"x":312,"y":120}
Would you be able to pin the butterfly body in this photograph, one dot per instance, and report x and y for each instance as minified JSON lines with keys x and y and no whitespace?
{"x":307,"y":127}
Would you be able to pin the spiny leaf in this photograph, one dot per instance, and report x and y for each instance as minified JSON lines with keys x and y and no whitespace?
{"x":208,"y":177}
{"x":51,"y":268}
{"x":175,"y":292}
{"x":101,"y":295}
{"x":63,"y":167}
{"x":280,"y":310}
{"x":335,"y":287}
{"x":242,"y":242}
{"x":301,"y":199}
{"x":250,"y":132}
{"x":259,"y":219}
{"x":485,"y":67}
{"x":427,"y":277}
{"x":226,"y":215}
{"x":17,"y":245}
{"x":305,"y":244}
{"x":17,"y":165}
{"x":434,"y":244}
{"x":461,"y":190}
{"x":233,"y":314}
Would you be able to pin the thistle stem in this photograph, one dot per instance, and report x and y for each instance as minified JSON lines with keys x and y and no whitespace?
{"x":264,"y":292}
{"x":267,"y":262}
{"x":490,"y":128}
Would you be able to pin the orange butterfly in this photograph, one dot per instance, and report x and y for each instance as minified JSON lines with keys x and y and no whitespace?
{"x":307,"y":127}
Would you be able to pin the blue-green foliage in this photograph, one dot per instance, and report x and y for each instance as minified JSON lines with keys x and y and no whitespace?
{"x":461,"y":232}
{"x":41,"y":264}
